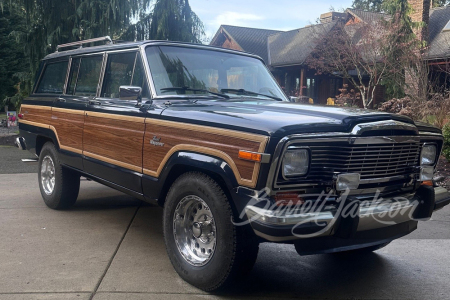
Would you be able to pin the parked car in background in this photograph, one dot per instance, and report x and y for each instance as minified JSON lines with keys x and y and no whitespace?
{"x":208,"y":134}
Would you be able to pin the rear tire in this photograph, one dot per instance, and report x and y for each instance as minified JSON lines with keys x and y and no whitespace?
{"x":204,"y":246}
{"x":59,"y":186}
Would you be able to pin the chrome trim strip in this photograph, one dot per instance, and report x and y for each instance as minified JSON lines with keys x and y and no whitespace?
{"x":359,"y":129}
{"x":102,"y":75}
{"x":148,"y":73}
{"x":66,"y":81}
{"x":430,"y":133}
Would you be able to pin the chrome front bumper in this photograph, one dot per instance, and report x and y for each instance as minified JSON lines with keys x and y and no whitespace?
{"x":279,"y":225}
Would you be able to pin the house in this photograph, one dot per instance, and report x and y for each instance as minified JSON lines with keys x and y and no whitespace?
{"x":286,"y":52}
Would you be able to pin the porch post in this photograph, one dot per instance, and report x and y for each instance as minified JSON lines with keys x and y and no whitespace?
{"x":302,"y":80}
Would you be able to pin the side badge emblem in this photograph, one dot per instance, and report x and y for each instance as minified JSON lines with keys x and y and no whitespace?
{"x":156,"y":141}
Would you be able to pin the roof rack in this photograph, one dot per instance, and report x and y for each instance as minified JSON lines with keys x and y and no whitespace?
{"x":81,"y":43}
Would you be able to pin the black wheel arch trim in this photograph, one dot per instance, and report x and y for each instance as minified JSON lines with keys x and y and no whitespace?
{"x":155,"y":189}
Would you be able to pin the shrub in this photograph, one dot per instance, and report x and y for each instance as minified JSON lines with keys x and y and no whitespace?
{"x":446,"y":148}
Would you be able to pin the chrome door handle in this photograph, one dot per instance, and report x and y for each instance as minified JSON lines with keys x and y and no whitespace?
{"x":92,"y":102}
{"x":60,"y":100}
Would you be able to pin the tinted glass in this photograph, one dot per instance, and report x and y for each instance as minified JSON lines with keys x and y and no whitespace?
{"x":119,"y":71}
{"x":88,"y":76}
{"x":73,"y":76}
{"x":53,"y":79}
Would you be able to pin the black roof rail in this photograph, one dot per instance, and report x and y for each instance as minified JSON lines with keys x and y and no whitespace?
{"x":81,"y":43}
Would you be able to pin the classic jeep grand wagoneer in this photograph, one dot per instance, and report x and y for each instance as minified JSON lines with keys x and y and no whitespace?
{"x":209,"y":135}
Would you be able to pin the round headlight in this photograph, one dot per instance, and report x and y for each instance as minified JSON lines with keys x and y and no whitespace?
{"x":428,"y":155}
{"x":295,"y":163}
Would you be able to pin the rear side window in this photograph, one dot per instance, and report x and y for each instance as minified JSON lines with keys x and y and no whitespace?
{"x":123,"y":69}
{"x":53,"y":78}
{"x":88,"y":76}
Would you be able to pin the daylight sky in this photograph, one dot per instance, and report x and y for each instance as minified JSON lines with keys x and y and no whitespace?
{"x":268,"y":14}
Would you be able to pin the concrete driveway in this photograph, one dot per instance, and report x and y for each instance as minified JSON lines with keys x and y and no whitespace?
{"x":110,"y":246}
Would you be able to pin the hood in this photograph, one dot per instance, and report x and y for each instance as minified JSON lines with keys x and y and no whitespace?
{"x":272,"y":117}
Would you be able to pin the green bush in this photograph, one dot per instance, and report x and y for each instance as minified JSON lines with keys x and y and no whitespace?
{"x":446,"y":149}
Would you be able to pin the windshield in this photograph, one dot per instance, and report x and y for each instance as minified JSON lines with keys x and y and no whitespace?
{"x":191,"y":71}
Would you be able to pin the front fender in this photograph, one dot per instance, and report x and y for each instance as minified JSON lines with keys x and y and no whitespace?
{"x":156,"y":188}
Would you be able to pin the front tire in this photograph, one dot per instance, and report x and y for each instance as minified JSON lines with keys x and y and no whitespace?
{"x":59,"y":186}
{"x":204,"y":246}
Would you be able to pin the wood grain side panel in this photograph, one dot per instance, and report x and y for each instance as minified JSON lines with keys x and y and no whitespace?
{"x":114,"y":140}
{"x":222,"y":144}
{"x":36,"y":113}
{"x":69,"y":128}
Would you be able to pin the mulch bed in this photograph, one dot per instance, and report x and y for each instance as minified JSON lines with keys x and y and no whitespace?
{"x":443,"y":172}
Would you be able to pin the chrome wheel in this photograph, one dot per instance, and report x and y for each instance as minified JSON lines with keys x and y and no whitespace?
{"x":194,"y":230}
{"x":48,"y":175}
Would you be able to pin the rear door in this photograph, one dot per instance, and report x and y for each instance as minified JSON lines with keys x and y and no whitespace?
{"x":114,"y":128}
{"x":69,"y":108}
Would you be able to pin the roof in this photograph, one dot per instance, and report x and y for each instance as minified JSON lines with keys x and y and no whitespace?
{"x":133,"y":45}
{"x":252,"y":40}
{"x":293,"y":47}
{"x":367,"y":16}
{"x":439,"y":41}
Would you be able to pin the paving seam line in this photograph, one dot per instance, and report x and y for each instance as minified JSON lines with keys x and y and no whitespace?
{"x":114,"y":254}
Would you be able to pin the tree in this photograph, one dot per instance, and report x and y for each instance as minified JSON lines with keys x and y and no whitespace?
{"x":13,"y":65}
{"x":368,"y":5}
{"x":378,"y":5}
{"x":439,"y":3}
{"x":169,"y":20}
{"x":47,"y":23}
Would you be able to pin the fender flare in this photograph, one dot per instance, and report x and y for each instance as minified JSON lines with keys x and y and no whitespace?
{"x":155,"y":189}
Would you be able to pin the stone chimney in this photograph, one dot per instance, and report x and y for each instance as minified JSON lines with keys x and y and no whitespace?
{"x":421,"y":13}
{"x":331,"y":16}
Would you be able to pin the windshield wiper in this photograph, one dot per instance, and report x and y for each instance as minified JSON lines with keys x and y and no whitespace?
{"x":186,"y":88}
{"x":248,"y":93}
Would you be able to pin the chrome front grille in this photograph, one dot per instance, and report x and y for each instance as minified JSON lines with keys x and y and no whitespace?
{"x":369,"y":160}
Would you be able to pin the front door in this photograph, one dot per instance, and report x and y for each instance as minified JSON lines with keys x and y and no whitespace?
{"x":114,"y":128}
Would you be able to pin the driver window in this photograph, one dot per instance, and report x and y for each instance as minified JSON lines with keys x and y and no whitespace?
{"x":123,"y":69}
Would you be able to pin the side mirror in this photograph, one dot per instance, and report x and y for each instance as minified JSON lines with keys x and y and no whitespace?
{"x":130,"y":93}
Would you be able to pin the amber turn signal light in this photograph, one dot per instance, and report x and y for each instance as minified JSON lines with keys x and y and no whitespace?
{"x":250,"y":155}
{"x":288,"y":198}
{"x":427,"y":182}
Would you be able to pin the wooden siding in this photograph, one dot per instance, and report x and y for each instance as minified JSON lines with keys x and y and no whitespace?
{"x":114,"y":139}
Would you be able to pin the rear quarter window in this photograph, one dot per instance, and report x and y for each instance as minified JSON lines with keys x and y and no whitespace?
{"x":53,"y":78}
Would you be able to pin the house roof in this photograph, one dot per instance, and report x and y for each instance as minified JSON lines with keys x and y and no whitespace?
{"x":253,"y":40}
{"x":279,"y":48}
{"x":293,"y":47}
{"x":367,"y":16}
{"x":439,"y":41}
